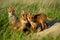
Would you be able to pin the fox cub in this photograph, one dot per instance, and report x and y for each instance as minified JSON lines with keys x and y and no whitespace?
{"x":38,"y":18}
{"x":23,"y":20}
{"x":13,"y":19}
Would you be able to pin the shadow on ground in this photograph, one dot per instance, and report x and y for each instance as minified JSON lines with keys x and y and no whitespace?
{"x":50,"y":23}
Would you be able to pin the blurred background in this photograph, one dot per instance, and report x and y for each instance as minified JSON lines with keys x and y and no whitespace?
{"x":50,"y":7}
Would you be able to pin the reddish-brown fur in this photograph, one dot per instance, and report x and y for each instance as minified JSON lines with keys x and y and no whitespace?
{"x":23,"y":20}
{"x":38,"y":18}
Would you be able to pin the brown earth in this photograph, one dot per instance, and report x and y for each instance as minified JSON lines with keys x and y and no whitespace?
{"x":53,"y":31}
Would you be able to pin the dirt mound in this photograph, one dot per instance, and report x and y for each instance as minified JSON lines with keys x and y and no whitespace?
{"x":53,"y":30}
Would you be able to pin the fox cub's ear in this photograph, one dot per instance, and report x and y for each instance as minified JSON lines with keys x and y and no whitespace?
{"x":22,"y":11}
{"x":9,"y":9}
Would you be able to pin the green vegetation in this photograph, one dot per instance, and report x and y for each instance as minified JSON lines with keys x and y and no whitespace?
{"x":51,"y":10}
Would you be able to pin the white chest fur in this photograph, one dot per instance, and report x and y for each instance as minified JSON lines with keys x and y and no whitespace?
{"x":12,"y":18}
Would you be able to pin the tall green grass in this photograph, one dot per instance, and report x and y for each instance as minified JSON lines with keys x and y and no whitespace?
{"x":51,"y":10}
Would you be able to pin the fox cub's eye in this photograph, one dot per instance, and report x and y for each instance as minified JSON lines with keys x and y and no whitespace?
{"x":22,"y":15}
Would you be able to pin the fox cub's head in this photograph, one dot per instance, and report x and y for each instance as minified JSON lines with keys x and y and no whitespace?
{"x":24,"y":15}
{"x":11,"y":10}
{"x":30,"y":17}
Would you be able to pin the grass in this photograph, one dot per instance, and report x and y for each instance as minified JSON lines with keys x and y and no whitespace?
{"x":48,"y":37}
{"x":51,"y":10}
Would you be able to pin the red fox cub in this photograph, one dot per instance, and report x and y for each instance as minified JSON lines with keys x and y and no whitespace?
{"x":36,"y":19}
{"x":23,"y":20}
{"x":13,"y":19}
{"x":33,"y":24}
